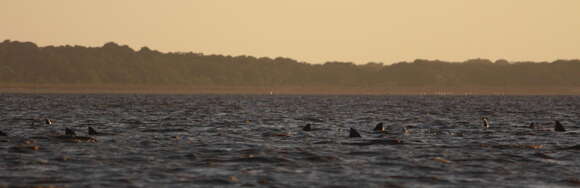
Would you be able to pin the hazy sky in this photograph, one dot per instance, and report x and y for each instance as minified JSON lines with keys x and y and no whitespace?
{"x":309,"y":30}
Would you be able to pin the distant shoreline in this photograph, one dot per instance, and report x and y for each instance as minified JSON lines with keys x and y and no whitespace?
{"x":304,"y":90}
{"x":114,"y":68}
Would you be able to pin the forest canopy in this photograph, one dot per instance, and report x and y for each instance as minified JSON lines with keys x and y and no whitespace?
{"x":26,"y":63}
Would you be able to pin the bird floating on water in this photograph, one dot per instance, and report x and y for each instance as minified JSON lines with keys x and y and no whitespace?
{"x":485,"y":122}
{"x":406,"y":131}
{"x":47,"y":121}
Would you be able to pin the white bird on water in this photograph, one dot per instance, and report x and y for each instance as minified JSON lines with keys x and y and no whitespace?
{"x":485,"y":122}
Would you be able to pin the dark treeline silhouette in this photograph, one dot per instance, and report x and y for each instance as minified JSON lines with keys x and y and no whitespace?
{"x":26,"y":63}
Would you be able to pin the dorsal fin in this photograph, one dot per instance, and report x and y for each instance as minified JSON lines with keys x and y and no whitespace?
{"x":353,"y":133}
{"x":308,"y":127}
{"x":559,"y":127}
{"x":532,"y":125}
{"x":3,"y":134}
{"x":92,"y":131}
{"x":69,"y":132}
{"x":379,"y":127}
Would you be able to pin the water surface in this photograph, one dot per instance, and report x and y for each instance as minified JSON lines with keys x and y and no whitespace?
{"x":257,"y":141}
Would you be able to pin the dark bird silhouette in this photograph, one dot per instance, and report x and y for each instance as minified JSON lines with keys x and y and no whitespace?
{"x":558,"y":127}
{"x":308,"y":127}
{"x":354,"y":133}
{"x":3,"y":134}
{"x":47,"y":121}
{"x":485,"y":122}
{"x":379,"y":127}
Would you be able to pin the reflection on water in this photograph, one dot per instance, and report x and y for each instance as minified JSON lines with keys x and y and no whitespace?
{"x":230,"y":140}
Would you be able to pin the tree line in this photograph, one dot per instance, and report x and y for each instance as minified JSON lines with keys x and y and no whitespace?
{"x":26,"y":63}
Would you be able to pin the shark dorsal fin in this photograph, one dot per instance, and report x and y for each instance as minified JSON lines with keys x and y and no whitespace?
{"x":69,"y":132}
{"x":379,"y":127}
{"x":559,"y":127}
{"x":92,"y":131}
{"x":354,"y":133}
{"x":308,"y":127}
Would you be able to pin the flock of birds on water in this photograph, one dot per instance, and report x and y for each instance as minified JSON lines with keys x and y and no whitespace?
{"x":70,"y":134}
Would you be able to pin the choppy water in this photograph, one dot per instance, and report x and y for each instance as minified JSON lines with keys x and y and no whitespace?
{"x":257,"y":141}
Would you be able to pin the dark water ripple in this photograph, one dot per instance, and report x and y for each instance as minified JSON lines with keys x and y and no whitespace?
{"x":257,"y":141}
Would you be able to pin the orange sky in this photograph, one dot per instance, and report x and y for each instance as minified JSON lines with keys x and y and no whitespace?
{"x":309,"y":30}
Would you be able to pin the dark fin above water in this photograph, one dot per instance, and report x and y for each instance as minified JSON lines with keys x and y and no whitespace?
{"x":308,"y":127}
{"x":69,"y":132}
{"x":379,"y":127}
{"x":532,"y":125}
{"x":354,"y":133}
{"x":558,"y":127}
{"x":485,"y":122}
{"x":576,"y":147}
{"x":3,"y":134}
{"x":92,"y":131}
